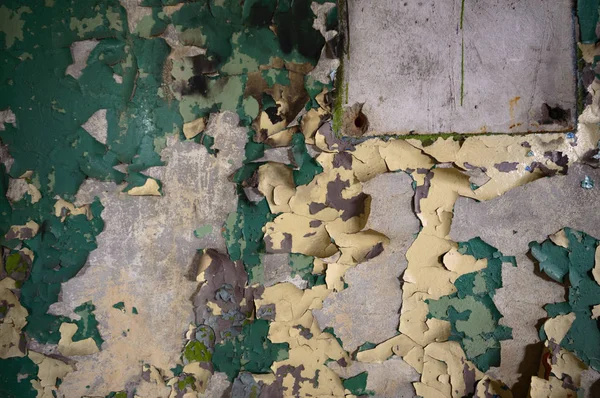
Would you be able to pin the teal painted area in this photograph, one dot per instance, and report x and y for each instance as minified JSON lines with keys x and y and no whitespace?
{"x":575,"y":263}
{"x":357,"y":385}
{"x":587,"y":13}
{"x":244,"y":236}
{"x":251,"y":351}
{"x":10,"y":385}
{"x":471,"y":311}
{"x":307,"y":167}
{"x":51,"y":106}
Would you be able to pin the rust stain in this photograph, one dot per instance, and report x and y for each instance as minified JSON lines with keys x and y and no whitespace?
{"x":512,"y":104}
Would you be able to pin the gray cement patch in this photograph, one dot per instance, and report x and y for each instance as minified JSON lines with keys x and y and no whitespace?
{"x":143,"y":257}
{"x":374,"y":296}
{"x":419,"y":69}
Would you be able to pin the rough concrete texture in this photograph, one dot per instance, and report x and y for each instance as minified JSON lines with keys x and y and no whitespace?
{"x":374,"y":296}
{"x":143,"y":257}
{"x":419,"y":68}
{"x":389,"y":379}
{"x":509,"y":223}
{"x":277,"y":270}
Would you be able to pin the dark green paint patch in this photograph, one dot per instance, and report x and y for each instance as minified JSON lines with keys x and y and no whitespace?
{"x":251,"y":351}
{"x":471,"y":311}
{"x":307,"y":166}
{"x":330,"y":330}
{"x":366,"y":346}
{"x":87,"y":325}
{"x":120,"y":306}
{"x":244,"y":236}
{"x":177,"y":370}
{"x":357,"y":385}
{"x":134,"y":311}
{"x":575,"y":262}
{"x":587,"y":13}
{"x":61,"y":250}
{"x":16,"y":376}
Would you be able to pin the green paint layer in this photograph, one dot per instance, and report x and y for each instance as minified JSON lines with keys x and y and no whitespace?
{"x":471,"y":310}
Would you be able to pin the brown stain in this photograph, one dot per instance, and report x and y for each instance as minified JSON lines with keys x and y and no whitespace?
{"x":512,"y":104}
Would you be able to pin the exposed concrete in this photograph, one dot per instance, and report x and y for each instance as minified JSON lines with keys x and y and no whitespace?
{"x":277,"y":270}
{"x":390,"y":379}
{"x":80,"y":52}
{"x":374,"y":296}
{"x":509,"y":223}
{"x":143,"y":257}
{"x":406,"y":64}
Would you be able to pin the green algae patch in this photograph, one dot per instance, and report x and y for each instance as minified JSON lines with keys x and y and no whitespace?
{"x":196,"y":351}
{"x":471,"y":311}
{"x":251,"y":351}
{"x":583,"y":338}
{"x":117,"y":394}
{"x":357,"y":385}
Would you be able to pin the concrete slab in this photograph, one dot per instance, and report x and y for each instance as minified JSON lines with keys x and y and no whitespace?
{"x":432,"y":66}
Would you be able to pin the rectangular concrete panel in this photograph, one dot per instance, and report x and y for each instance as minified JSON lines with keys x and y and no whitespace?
{"x":464,"y":66}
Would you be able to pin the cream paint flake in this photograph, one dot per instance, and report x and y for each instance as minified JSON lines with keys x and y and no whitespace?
{"x":193,"y":128}
{"x":62,"y":209}
{"x":596,"y":270}
{"x":557,"y":328}
{"x":50,"y":371}
{"x":68,"y":347}
{"x":12,"y":323}
{"x":293,"y":307}
{"x":150,"y":188}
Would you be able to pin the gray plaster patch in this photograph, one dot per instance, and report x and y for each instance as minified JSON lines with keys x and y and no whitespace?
{"x":418,"y":68}
{"x":143,"y":258}
{"x":277,"y":270}
{"x":7,"y":117}
{"x":392,"y":378}
{"x":277,"y":155}
{"x":80,"y":51}
{"x":374,"y":294}
{"x":97,"y":126}
{"x":509,"y":223}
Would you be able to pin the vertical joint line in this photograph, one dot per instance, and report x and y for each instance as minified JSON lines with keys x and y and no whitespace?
{"x":462,"y":54}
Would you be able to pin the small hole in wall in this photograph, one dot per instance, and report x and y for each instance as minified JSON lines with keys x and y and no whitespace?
{"x":360,"y":121}
{"x":555,"y":115}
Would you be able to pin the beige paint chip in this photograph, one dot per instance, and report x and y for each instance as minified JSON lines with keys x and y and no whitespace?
{"x":68,"y":347}
{"x":150,"y":188}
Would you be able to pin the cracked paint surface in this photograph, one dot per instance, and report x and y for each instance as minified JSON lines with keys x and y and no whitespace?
{"x":181,"y":216}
